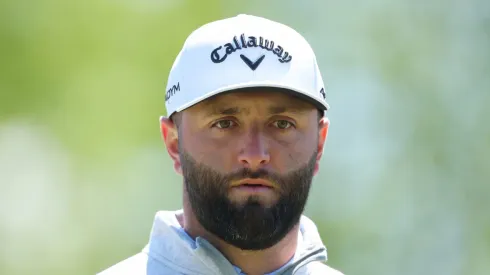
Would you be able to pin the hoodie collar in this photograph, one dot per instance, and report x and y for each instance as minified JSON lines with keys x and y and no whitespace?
{"x":171,"y":245}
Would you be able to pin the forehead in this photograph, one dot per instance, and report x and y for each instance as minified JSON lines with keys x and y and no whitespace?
{"x":257,"y":98}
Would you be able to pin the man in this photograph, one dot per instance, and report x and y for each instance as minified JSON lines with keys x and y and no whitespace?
{"x":246,"y":128}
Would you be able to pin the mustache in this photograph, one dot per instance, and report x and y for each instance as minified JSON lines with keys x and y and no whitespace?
{"x":253,"y":174}
{"x":248,"y":173}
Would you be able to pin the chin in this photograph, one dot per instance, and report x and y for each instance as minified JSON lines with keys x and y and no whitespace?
{"x":254,"y":203}
{"x":252,"y":200}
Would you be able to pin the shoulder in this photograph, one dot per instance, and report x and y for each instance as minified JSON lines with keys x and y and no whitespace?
{"x":136,"y":264}
{"x":318,"y":268}
{"x":139,"y":264}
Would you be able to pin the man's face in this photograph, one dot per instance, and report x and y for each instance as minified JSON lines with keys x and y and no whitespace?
{"x":248,"y":159}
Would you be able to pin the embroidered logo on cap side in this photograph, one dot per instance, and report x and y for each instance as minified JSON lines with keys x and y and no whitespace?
{"x":322,"y":92}
{"x":219,"y":54}
{"x":172,"y":91}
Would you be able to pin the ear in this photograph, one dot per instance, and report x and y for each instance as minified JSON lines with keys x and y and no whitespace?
{"x":171,"y":138}
{"x":322,"y":137}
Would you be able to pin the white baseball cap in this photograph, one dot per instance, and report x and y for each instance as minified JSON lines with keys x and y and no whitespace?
{"x":242,"y":52}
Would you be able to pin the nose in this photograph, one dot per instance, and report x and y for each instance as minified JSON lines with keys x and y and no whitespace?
{"x":254,"y":153}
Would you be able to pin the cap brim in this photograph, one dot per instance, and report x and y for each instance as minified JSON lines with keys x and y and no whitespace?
{"x":233,"y":88}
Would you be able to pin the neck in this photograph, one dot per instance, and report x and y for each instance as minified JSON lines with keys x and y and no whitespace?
{"x":250,"y":262}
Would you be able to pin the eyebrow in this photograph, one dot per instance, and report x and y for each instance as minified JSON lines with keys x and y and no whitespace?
{"x":273,"y":110}
{"x":215,"y":111}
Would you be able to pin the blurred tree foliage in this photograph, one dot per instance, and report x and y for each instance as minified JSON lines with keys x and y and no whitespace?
{"x":93,"y":71}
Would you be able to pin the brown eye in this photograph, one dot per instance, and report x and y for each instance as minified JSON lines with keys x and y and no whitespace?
{"x":282,"y":124}
{"x":224,"y":124}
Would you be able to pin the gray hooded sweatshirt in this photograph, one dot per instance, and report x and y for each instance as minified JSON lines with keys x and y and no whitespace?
{"x":171,"y":251}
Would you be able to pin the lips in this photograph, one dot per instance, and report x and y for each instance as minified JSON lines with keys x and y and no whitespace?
{"x":251,"y":184}
{"x":254,"y":183}
{"x":246,"y":185}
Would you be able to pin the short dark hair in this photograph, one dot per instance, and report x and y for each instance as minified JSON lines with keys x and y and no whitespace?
{"x":176,"y":118}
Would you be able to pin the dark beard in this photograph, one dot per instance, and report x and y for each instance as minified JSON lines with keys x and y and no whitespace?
{"x":250,"y":226}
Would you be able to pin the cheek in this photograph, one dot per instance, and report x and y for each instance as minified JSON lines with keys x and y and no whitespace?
{"x":217,"y":153}
{"x":292,"y":153}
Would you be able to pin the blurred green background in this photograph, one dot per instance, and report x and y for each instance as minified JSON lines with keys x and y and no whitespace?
{"x":404,"y":186}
